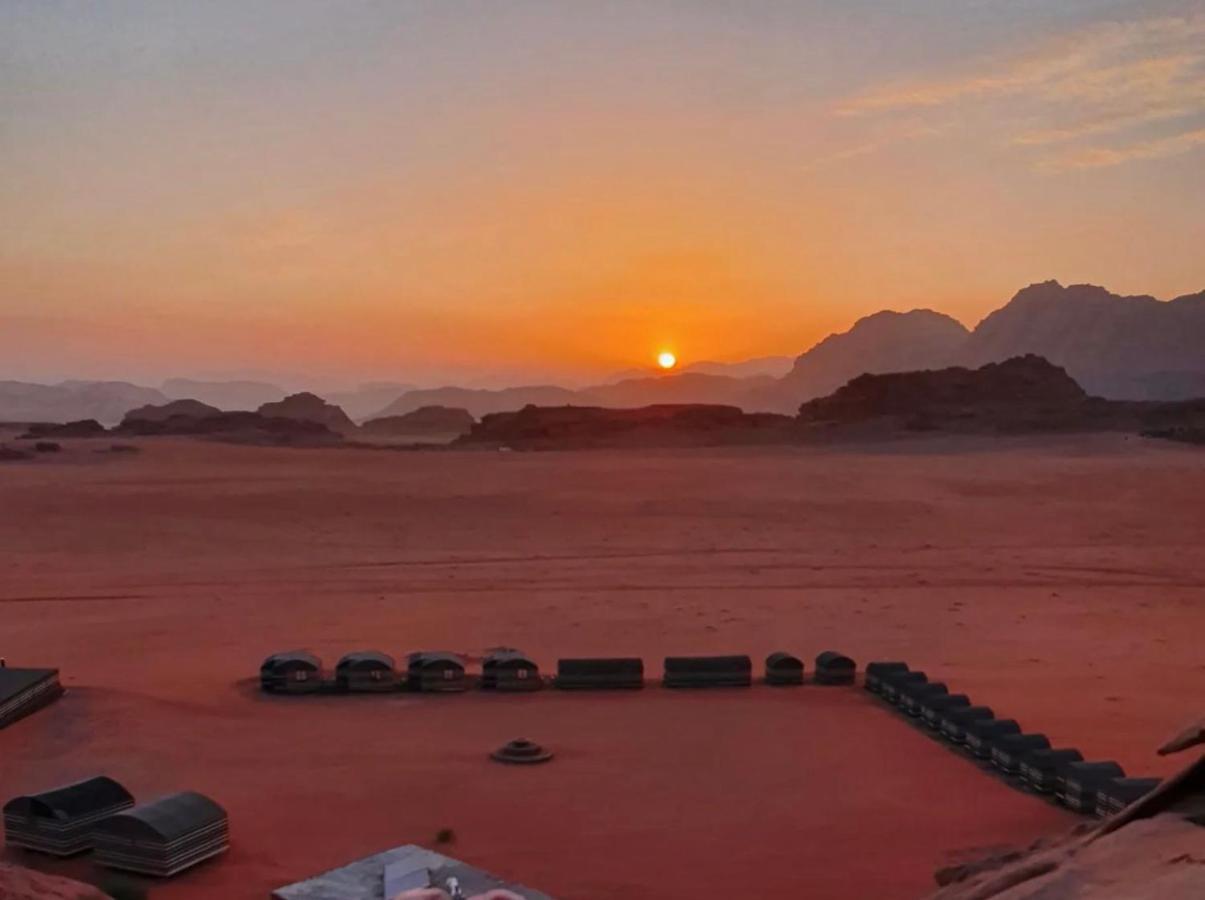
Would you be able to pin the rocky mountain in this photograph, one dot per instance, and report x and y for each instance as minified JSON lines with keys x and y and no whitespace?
{"x":367,"y":399}
{"x":233,"y":395}
{"x":884,"y":342}
{"x":306,"y":407}
{"x":426,"y":421}
{"x":772,"y":366}
{"x":193,"y":409}
{"x":684,"y":388}
{"x":1135,"y":347}
{"x":480,"y":401}
{"x":1022,"y":394}
{"x":105,"y":401}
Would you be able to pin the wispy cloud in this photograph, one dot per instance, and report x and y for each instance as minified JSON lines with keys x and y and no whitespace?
{"x":1114,"y":78}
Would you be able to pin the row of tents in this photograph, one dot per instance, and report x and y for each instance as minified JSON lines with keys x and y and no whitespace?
{"x":1098,"y":787}
{"x":370,"y":671}
{"x":162,"y":837}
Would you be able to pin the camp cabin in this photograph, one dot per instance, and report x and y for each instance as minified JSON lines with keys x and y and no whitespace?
{"x":163,"y":837}
{"x":1116,"y":794}
{"x":932,"y":709}
{"x":910,"y":696}
{"x":291,"y":672}
{"x":60,"y":821}
{"x":510,"y":670}
{"x":783,"y":669}
{"x":1076,"y":783}
{"x":435,"y":671}
{"x":892,"y":686}
{"x":599,"y":673}
{"x":834,"y":668}
{"x":877,"y":670}
{"x":1009,"y":751}
{"x":954,"y":721}
{"x":980,"y":735}
{"x":366,"y":671}
{"x":708,"y":671}
{"x":1040,"y":768}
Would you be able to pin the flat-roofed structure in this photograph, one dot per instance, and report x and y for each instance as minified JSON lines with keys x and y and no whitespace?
{"x":435,"y":671}
{"x":23,"y":691}
{"x":599,"y":673}
{"x":366,"y":671}
{"x":60,"y":821}
{"x":291,"y":672}
{"x":403,"y":868}
{"x":510,"y":670}
{"x":163,"y":837}
{"x":835,"y":668}
{"x":909,"y":696}
{"x":784,"y":669}
{"x":708,"y":671}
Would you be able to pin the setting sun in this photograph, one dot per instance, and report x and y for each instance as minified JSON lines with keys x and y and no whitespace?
{"x":666,"y":360}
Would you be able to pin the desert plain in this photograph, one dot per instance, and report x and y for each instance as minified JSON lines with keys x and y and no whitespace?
{"x":1060,"y":580}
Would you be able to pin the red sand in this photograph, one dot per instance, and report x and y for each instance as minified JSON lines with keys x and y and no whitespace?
{"x":1059,"y":581}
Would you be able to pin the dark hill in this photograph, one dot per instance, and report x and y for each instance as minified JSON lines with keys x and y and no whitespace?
{"x":427,"y":420}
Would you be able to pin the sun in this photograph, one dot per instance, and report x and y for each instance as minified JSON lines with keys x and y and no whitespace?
{"x":666,"y":360}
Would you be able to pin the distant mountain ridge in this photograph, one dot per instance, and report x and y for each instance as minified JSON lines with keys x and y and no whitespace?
{"x":1128,"y":348}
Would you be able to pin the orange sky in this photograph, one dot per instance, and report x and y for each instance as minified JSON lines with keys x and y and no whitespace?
{"x":487,"y":191}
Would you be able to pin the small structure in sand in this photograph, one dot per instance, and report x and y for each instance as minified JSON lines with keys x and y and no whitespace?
{"x":933,"y":708}
{"x":1076,"y":783}
{"x":163,"y":837}
{"x":60,"y":821}
{"x":784,"y":669}
{"x":954,"y":721}
{"x":1041,"y":768}
{"x":291,"y":672}
{"x":435,"y":672}
{"x":366,"y":671}
{"x":521,"y":752}
{"x":980,"y":736}
{"x":510,"y":670}
{"x":708,"y":671}
{"x":23,"y":691}
{"x":1116,"y":794}
{"x":599,"y":673}
{"x":835,"y":668}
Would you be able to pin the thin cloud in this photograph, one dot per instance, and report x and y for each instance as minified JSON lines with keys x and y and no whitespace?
{"x":1100,"y":157}
{"x":1114,"y":78}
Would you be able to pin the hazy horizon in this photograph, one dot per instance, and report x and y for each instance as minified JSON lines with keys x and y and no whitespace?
{"x":516,"y":193}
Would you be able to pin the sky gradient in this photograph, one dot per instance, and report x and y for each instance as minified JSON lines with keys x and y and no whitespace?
{"x":504,"y":190}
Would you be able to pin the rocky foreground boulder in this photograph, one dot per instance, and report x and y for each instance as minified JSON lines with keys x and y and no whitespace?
{"x":19,"y":883}
{"x":307,"y":407}
{"x":428,"y":420}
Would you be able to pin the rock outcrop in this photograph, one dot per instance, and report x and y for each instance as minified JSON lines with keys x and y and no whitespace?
{"x":428,"y":420}
{"x":307,"y":407}
{"x":232,"y":395}
{"x":1125,"y":348}
{"x":565,"y":427}
{"x":85,"y":428}
{"x":192,"y":409}
{"x":235,"y":427}
{"x":884,"y":342}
